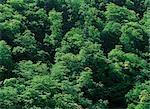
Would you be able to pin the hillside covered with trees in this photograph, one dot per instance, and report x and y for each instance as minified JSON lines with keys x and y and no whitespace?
{"x":74,"y":54}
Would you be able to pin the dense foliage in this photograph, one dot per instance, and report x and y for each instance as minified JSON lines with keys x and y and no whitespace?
{"x":74,"y":54}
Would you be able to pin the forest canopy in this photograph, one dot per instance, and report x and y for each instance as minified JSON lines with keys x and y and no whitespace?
{"x":74,"y":54}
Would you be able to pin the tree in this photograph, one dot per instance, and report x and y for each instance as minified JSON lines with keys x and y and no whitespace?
{"x":55,"y":18}
{"x":90,"y":87}
{"x":9,"y":97}
{"x":118,"y":2}
{"x":125,"y":70}
{"x":72,"y":41}
{"x":65,"y":101}
{"x":138,"y":97}
{"x":27,"y":69}
{"x":101,"y":104}
{"x":139,"y":6}
{"x":133,"y":37}
{"x":74,"y":54}
{"x":110,"y":35}
{"x":129,"y":64}
{"x":9,"y":29}
{"x":89,"y":14}
{"x":145,"y":22}
{"x":92,"y":51}
{"x":120,"y":14}
{"x":40,"y":92}
{"x":91,"y":23}
{"x":18,"y":5}
{"x":37,"y":22}
{"x":10,"y":93}
{"x":59,"y":71}
{"x":25,"y":45}
{"x":6,"y":63}
{"x":71,"y":61}
{"x":10,"y":23}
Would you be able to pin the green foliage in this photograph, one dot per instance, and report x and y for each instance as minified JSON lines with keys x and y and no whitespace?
{"x":24,"y":43}
{"x":10,"y":23}
{"x":129,"y":64}
{"x":100,"y":105}
{"x":133,"y":37}
{"x":139,"y":6}
{"x":6,"y":62}
{"x":26,"y":69}
{"x":85,"y":79}
{"x":8,"y":97}
{"x":127,"y":69}
{"x":139,"y":96}
{"x":55,"y":18}
{"x":110,"y":35}
{"x":74,"y":54}
{"x":39,"y":93}
{"x":72,"y":41}
{"x":92,"y":51}
{"x":65,"y":101}
{"x":73,"y":62}
{"x":119,"y":14}
{"x":5,"y":55}
{"x":18,"y":5}
{"x":146,"y":21}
